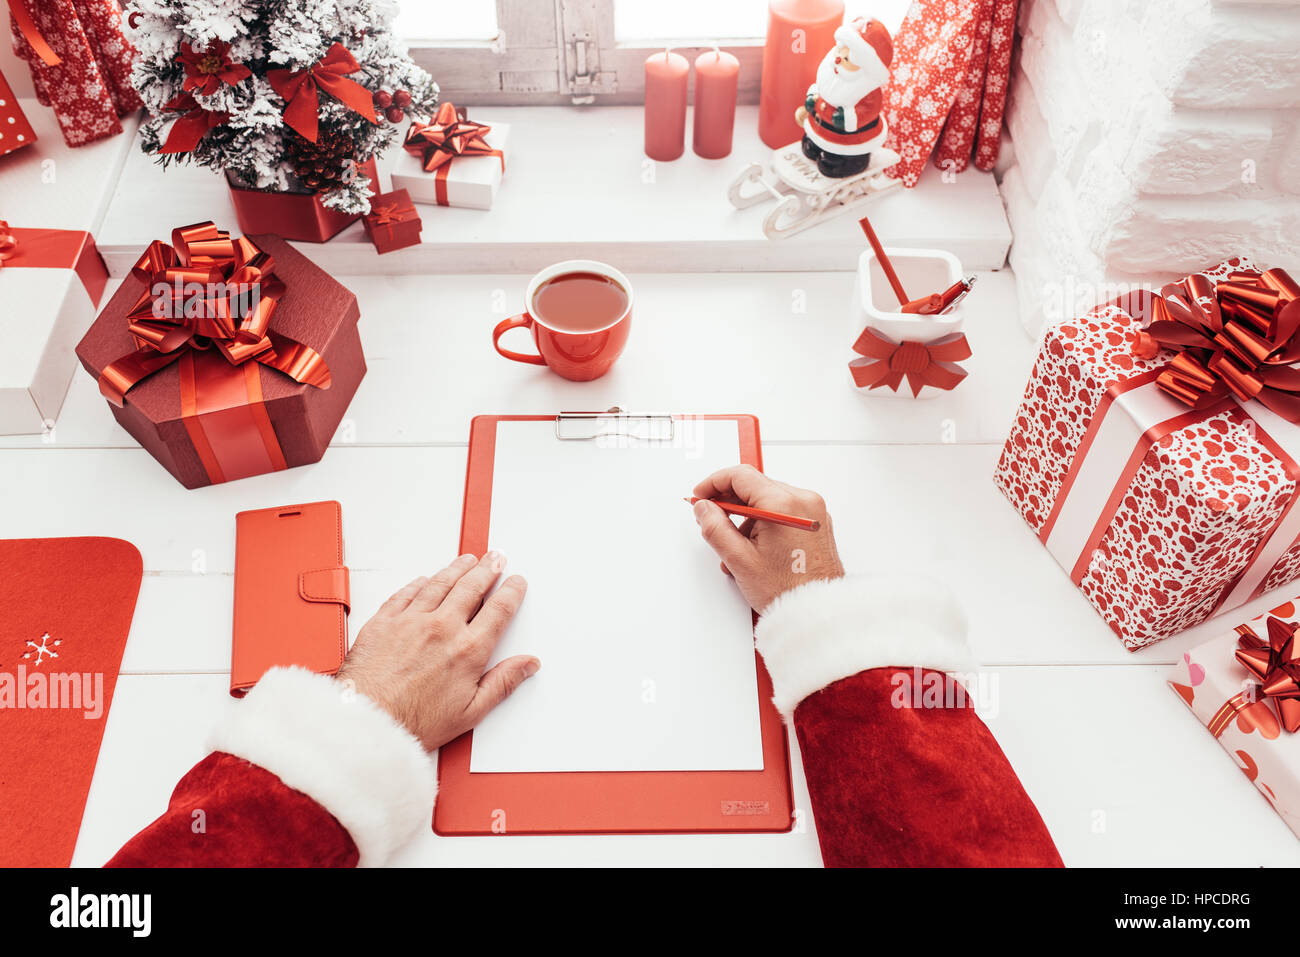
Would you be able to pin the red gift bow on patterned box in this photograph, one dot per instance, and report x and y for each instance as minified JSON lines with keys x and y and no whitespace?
{"x":1275,"y":666}
{"x":168,"y":324}
{"x":300,"y":90}
{"x":1237,"y":337}
{"x":887,"y":363}
{"x":449,"y":136}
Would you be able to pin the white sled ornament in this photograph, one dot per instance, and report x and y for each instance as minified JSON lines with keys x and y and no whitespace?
{"x":804,"y":196}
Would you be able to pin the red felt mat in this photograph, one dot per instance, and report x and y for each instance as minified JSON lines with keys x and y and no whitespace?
{"x":65,"y":610}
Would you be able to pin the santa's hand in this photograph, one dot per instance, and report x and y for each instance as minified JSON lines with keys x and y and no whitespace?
{"x":422,"y":657}
{"x":766,"y":559}
{"x":800,"y":115}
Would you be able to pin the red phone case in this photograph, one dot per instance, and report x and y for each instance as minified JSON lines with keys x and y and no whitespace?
{"x":291,"y":592}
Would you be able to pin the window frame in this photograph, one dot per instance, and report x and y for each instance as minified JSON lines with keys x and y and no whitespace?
{"x":572,"y":56}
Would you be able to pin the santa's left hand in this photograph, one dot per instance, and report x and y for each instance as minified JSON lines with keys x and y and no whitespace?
{"x":423,"y":656}
{"x":800,"y":115}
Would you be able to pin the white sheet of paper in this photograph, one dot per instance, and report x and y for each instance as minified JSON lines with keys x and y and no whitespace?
{"x":647,"y":650}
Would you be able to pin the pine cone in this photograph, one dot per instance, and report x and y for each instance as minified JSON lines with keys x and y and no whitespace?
{"x":324,"y":165}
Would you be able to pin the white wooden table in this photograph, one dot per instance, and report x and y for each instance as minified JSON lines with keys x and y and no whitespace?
{"x":1121,"y":771}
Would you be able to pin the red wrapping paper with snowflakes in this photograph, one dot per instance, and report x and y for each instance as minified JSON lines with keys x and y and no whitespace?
{"x":15,"y":131}
{"x":948,"y":85}
{"x":80,"y":62}
{"x":1162,"y":514}
{"x":1226,"y":698}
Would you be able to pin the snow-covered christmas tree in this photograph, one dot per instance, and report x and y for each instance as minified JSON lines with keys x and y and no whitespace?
{"x":288,"y":95}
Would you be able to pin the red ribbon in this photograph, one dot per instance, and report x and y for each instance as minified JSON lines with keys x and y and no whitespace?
{"x":1237,"y":337}
{"x":207,"y":291}
{"x":1275,"y":665}
{"x":54,"y":249}
{"x":190,"y":128}
{"x":392,"y":214}
{"x":448,"y":136}
{"x":887,"y":363}
{"x":27,"y":27}
{"x":299,"y":88}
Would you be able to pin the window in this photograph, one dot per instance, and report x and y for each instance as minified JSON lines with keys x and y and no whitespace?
{"x":584,"y":51}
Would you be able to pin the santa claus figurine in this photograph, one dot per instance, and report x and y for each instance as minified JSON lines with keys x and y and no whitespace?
{"x":841,"y":116}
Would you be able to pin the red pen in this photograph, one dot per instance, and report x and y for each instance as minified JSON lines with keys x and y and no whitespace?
{"x":776,"y":518}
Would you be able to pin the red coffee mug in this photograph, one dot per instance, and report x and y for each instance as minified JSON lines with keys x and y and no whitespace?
{"x":580,"y":356}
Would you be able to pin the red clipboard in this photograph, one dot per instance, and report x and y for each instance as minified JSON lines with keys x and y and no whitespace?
{"x":606,"y":802}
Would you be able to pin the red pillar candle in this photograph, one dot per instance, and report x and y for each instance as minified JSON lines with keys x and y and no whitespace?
{"x":716,"y":77}
{"x":665,"y":105}
{"x":799,"y":32}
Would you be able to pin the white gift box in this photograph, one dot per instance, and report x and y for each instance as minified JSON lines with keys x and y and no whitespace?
{"x":921,"y":272}
{"x":468,"y":181}
{"x":44,"y":311}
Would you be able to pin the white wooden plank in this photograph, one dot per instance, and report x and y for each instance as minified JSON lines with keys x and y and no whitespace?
{"x":1125,"y":776}
{"x":52,"y":185}
{"x":401,"y":507}
{"x":776,"y":345}
{"x":567,"y":169}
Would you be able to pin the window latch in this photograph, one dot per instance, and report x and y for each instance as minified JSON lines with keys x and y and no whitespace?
{"x":585,"y":79}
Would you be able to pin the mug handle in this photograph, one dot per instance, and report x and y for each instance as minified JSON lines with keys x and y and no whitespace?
{"x":521,"y":321}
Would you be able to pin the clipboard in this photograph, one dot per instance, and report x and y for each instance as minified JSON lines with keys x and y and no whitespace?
{"x":608,"y":802}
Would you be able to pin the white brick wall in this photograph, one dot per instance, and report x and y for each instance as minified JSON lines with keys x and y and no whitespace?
{"x":1151,"y":138}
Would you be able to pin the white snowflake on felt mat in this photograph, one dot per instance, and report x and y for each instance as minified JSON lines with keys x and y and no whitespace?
{"x":44,"y":649}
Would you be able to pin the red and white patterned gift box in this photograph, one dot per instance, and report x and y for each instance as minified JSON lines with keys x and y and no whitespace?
{"x":1163,"y":513}
{"x":1228,"y":699}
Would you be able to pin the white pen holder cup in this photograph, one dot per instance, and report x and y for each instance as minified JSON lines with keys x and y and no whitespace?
{"x":921,"y":272}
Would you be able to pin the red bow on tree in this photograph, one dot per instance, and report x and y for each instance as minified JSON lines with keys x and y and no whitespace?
{"x":887,"y":362}
{"x":300,"y":90}
{"x":449,"y":135}
{"x":1237,"y":337}
{"x":1275,"y":664}
{"x":190,"y":128}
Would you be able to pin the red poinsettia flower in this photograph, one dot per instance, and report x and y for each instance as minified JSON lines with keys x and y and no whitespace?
{"x":205,"y":71}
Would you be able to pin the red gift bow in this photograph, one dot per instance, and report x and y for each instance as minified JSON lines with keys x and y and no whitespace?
{"x":299,"y":88}
{"x":226,"y":269}
{"x":1275,"y":664}
{"x":8,"y":243}
{"x":923,"y":363}
{"x":189,"y":129}
{"x":1236,"y":337}
{"x":391,"y":214}
{"x":448,"y":136}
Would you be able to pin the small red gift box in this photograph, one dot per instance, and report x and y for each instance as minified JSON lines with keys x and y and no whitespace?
{"x":1155,"y":453}
{"x":392,"y":222}
{"x":227,"y":358}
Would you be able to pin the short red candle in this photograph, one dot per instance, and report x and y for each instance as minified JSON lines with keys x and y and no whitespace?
{"x":799,"y":32}
{"x":665,"y":105}
{"x":716,"y":77}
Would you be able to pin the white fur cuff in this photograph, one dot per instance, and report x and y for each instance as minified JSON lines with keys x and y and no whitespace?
{"x":818,"y":633}
{"x":341,"y":750}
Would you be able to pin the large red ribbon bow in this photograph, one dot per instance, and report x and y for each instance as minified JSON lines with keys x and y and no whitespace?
{"x":204,"y":291}
{"x":1235,"y":337}
{"x":191,"y":126}
{"x":448,"y":136}
{"x":886,"y":362}
{"x":299,"y":88}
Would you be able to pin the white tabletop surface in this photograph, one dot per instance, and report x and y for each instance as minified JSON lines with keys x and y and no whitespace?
{"x":1120,"y":769}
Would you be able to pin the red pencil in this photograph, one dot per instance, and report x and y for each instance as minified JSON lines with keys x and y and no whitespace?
{"x":776,"y":518}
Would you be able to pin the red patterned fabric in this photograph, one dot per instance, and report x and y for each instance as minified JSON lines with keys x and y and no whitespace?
{"x":890,"y":786}
{"x":15,"y":131}
{"x":90,"y":88}
{"x":227,"y":812}
{"x":949,"y":77}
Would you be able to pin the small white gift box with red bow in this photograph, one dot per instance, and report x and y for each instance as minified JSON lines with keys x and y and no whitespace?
{"x":452,"y":161}
{"x":905,"y":354}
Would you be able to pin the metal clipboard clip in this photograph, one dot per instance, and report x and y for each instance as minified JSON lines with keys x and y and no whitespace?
{"x":584,"y":426}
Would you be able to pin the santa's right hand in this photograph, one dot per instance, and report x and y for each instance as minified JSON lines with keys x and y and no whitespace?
{"x":800,"y":115}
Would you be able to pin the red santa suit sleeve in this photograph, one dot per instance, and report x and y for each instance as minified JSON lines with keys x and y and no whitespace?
{"x":893,"y":783}
{"x":303,"y":772}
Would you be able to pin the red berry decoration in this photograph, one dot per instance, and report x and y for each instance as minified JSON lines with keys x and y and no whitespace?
{"x":402,"y":98}
{"x":383,"y":100}
{"x":394,"y":114}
